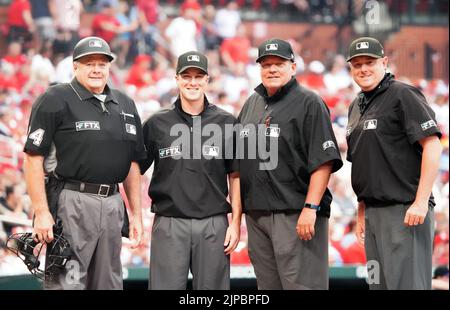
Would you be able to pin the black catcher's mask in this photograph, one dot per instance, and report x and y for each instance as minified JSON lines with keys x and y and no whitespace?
{"x":58,"y":252}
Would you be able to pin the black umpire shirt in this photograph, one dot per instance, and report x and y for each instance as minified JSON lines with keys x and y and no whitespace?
{"x":305,"y":142}
{"x":382,"y":135}
{"x":91,"y":144}
{"x":194,"y":186}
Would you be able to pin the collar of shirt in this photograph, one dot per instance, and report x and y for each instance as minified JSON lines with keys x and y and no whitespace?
{"x":101,"y":97}
{"x":261,"y":90}
{"x":365,"y":97}
{"x":84,"y":94}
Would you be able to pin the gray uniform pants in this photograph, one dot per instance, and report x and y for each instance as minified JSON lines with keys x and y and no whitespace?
{"x":92,"y":225}
{"x":398,"y":256}
{"x":280,"y":259}
{"x":181,"y":244}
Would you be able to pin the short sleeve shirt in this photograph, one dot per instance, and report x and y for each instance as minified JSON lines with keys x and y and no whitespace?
{"x":90,"y":145}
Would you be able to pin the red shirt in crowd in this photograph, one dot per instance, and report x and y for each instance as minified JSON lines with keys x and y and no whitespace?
{"x":97,"y":29}
{"x":16,"y":61}
{"x":15,"y":13}
{"x":312,"y":80}
{"x":237,"y":48}
{"x":140,"y":74}
{"x":15,"y":82}
{"x":150,"y":10}
{"x":354,"y":254}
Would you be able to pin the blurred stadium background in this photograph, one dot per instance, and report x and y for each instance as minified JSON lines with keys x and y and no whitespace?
{"x":36,"y":41}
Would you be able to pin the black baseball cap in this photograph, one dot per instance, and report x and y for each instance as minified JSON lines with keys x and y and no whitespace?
{"x":192,"y":59}
{"x":90,"y":46}
{"x":275,"y":47}
{"x":365,"y":46}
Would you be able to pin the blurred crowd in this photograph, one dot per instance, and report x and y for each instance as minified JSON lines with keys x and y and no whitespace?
{"x":40,"y":36}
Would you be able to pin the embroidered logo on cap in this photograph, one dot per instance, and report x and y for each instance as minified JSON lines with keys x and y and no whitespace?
{"x":193,"y":58}
{"x":272,"y":47}
{"x":95,"y":43}
{"x":362,"y":45}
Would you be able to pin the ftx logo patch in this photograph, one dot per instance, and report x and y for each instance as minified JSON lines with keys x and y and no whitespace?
{"x":328,"y":144}
{"x":428,"y":125}
{"x":87,"y":125}
{"x":169,"y":151}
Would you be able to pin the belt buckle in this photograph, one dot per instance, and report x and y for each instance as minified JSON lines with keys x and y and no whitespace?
{"x":100,"y":190}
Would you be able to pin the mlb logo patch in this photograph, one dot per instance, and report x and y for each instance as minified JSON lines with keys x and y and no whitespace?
{"x":362,"y":45}
{"x":273,"y":132}
{"x":193,"y":58}
{"x":131,"y":129}
{"x":211,"y":151}
{"x":244,"y":133}
{"x":95,"y":43}
{"x":272,"y":47}
{"x":370,"y":124}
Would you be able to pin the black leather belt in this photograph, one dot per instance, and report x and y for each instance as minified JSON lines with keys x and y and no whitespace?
{"x":102,"y":190}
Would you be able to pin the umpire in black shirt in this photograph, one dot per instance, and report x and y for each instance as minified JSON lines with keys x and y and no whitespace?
{"x":87,"y":137}
{"x":393,"y":144}
{"x":190,"y":147}
{"x":288,"y":241}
